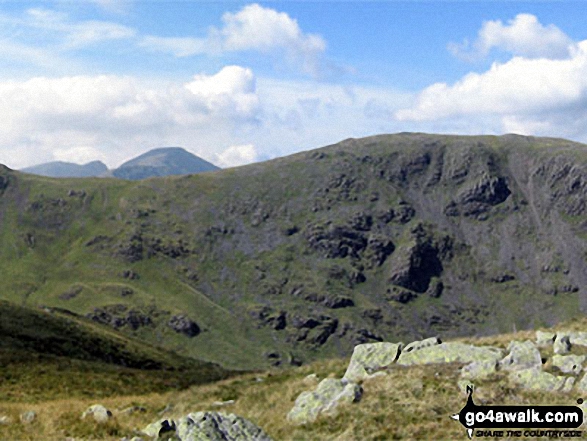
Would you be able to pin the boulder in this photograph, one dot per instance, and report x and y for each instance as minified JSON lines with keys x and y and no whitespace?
{"x":544,"y":339}
{"x":28,"y":417}
{"x":367,"y":359}
{"x":569,"y":364}
{"x":5,"y":420}
{"x":582,"y":387}
{"x":523,"y":355}
{"x":184,"y":325}
{"x":537,"y":380}
{"x":449,"y":353}
{"x":311,"y":379}
{"x":159,"y":428}
{"x":421,"y":344}
{"x":562,"y":344}
{"x":578,"y":338}
{"x":218,"y":426}
{"x":328,"y":396}
{"x":98,"y":412}
{"x":479,"y":370}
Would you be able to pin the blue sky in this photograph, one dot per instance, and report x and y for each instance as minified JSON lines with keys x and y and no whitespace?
{"x":238,"y":82}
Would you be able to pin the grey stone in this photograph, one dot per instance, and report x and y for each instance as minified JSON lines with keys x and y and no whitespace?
{"x":160,"y":428}
{"x":522,"y":355}
{"x":544,"y":339}
{"x":203,"y":426}
{"x":328,"y":396}
{"x":562,"y":344}
{"x":449,"y":353}
{"x":479,"y":370}
{"x":582,"y":386}
{"x":133,"y":409}
{"x":578,"y":338}
{"x":421,"y":344}
{"x":311,"y":379}
{"x":5,"y":420}
{"x":369,"y":358}
{"x":569,"y":364}
{"x":28,"y":417}
{"x":98,"y":412}
{"x":538,"y":380}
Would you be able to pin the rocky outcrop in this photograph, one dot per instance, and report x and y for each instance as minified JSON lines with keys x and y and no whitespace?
{"x":522,"y":355}
{"x":536,"y":379}
{"x":369,"y":359}
{"x":199,"y":426}
{"x":325,"y":400}
{"x":184,"y":325}
{"x":569,"y":364}
{"x":449,"y":353}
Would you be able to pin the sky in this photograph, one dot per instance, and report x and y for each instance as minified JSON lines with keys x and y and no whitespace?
{"x":240,"y":82}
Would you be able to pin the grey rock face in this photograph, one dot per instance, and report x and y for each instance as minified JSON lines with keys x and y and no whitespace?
{"x":523,"y":355}
{"x":569,"y":364}
{"x":202,"y":426}
{"x":98,"y":412}
{"x":328,"y":396}
{"x":184,"y":325}
{"x":367,"y":359}
{"x":578,"y":338}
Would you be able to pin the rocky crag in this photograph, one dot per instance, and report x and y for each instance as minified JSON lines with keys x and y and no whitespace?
{"x":386,"y":238}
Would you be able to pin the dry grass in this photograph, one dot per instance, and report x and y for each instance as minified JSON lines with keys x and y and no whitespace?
{"x":408,"y":403}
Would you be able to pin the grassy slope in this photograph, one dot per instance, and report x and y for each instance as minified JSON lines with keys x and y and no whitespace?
{"x":233,"y":222}
{"x":48,"y":355}
{"x":408,"y":403}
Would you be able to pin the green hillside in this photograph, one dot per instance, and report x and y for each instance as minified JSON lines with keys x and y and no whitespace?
{"x":389,"y":237}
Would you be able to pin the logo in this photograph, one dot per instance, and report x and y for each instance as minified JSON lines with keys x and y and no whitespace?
{"x":476,"y":418}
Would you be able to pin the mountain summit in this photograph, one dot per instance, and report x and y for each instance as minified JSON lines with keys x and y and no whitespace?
{"x":61,"y":169}
{"x":163,"y":161}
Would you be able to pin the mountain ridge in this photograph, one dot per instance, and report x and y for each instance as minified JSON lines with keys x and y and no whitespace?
{"x":162,"y":161}
{"x":389,"y":237}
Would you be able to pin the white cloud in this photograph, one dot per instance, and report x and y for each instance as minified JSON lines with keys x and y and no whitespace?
{"x":75,"y":34}
{"x":253,"y":28}
{"x":237,"y":155}
{"x":523,"y":36}
{"x":118,"y":115}
{"x":530,"y":96}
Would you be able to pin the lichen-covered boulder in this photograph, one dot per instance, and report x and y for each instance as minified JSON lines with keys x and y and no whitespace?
{"x":479,"y":370}
{"x":538,"y":380}
{"x":578,"y":338}
{"x":582,"y":387}
{"x":370,"y":358}
{"x":544,"y":339}
{"x":328,"y":396}
{"x":449,"y":353}
{"x":159,"y":428}
{"x":204,"y":426}
{"x":421,"y":344}
{"x":98,"y":412}
{"x":522,"y":355}
{"x":569,"y":364}
{"x":562,"y":344}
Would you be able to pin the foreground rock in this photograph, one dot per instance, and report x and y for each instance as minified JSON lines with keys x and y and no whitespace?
{"x":536,"y":379}
{"x":522,"y":355}
{"x":328,"y":396}
{"x":449,"y":353}
{"x":98,"y":412}
{"x":212,"y":426}
{"x":370,"y":358}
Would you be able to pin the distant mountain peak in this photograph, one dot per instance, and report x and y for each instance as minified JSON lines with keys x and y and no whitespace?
{"x":62,"y":169}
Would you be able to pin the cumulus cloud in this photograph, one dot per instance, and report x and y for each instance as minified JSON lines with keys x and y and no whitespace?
{"x":253,"y":28}
{"x":522,"y":36}
{"x":237,"y":155}
{"x":79,"y":116}
{"x":538,"y":96}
